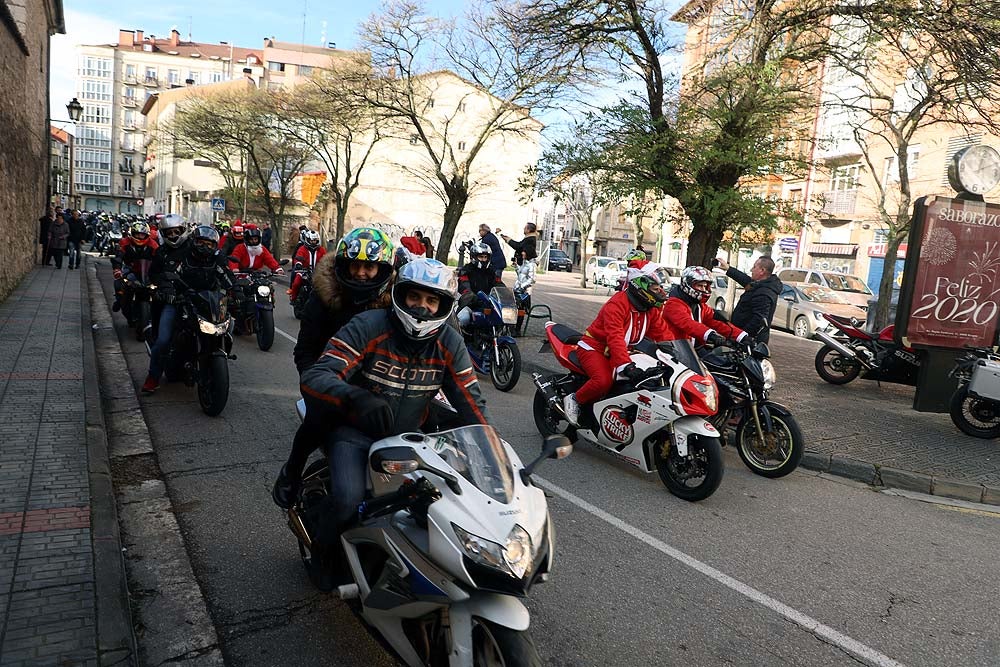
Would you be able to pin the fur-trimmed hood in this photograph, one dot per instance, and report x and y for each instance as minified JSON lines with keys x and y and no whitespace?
{"x":331,"y":292}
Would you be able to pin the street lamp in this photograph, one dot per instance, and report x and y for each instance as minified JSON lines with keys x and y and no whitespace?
{"x":75,"y":110}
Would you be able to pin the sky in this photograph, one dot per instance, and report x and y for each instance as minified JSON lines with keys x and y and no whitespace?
{"x":244,"y":23}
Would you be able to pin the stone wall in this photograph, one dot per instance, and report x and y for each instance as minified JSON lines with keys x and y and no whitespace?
{"x":24,"y":135}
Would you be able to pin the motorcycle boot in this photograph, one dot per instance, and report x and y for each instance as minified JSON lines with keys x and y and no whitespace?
{"x":286,"y":488}
{"x":572,"y":409}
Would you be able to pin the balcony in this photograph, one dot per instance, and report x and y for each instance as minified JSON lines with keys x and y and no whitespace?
{"x":129,"y":101}
{"x":128,"y":125}
{"x":151,"y":82}
{"x":840,"y":202}
{"x":124,"y":192}
{"x":130,"y":79}
{"x":127,"y":148}
{"x":126,"y":169}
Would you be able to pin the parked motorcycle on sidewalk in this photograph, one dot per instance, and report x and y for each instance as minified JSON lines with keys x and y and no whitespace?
{"x":975,"y":405}
{"x":453,"y":533}
{"x":487,"y":337}
{"x":305,"y":289}
{"x":201,"y":346}
{"x":767,"y":436}
{"x":658,"y":423}
{"x":853,"y":352}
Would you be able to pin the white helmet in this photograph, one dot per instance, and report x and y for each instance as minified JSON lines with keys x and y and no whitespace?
{"x":432,"y":276}
{"x":168,"y":226}
{"x":311,"y":238}
{"x":480,"y":249}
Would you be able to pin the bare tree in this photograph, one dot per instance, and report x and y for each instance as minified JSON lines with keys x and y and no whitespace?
{"x":505,"y":76}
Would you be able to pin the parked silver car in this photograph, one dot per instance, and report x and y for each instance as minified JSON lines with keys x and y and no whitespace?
{"x":801,"y":306}
{"x":852,"y":288}
{"x":722,"y":298}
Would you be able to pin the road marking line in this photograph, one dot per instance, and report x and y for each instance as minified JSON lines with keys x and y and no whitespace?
{"x":838,"y":639}
{"x":286,"y":335}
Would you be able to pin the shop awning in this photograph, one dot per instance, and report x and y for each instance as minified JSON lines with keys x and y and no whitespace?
{"x":834,"y":249}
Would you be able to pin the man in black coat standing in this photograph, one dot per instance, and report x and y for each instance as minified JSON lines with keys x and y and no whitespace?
{"x":755,"y":308}
{"x":497,"y":261}
{"x":76,"y":231}
{"x":44,"y":223}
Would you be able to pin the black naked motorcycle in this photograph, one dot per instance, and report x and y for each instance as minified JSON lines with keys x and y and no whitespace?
{"x":305,"y":289}
{"x":256,"y":305}
{"x":767,"y":436}
{"x":140,"y":300}
{"x":201,"y":346}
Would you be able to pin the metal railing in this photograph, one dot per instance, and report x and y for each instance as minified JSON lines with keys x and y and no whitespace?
{"x":150,"y":81}
{"x":840,"y":202}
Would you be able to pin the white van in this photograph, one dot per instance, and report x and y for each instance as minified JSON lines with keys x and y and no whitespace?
{"x":851,"y":288}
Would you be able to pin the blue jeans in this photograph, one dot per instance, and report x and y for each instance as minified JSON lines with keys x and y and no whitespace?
{"x":347,"y":455}
{"x":163,"y":336}
{"x":73,"y":250}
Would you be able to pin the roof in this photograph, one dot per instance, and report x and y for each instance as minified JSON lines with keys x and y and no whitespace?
{"x":177,"y":94}
{"x":197,"y":50}
{"x":690,"y":11}
{"x":59,"y":135}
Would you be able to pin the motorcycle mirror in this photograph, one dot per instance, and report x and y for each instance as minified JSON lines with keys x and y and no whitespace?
{"x":554,"y":447}
{"x":762,"y":350}
{"x":284,"y":261}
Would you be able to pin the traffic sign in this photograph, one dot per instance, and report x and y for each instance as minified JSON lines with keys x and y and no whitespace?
{"x":218,"y":204}
{"x":138,"y":202}
{"x":788,"y":244}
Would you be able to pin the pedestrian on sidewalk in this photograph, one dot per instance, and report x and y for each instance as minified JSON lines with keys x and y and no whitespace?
{"x":754,"y":310}
{"x":44,"y":223}
{"x":75,"y":240}
{"x":528,"y":245}
{"x":266,"y":235}
{"x":58,"y":240}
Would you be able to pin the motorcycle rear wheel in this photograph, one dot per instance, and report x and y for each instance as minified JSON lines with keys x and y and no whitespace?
{"x":547,"y":421}
{"x":265,"y":329}
{"x":496,"y":646}
{"x":213,"y":385}
{"x":785,"y":439}
{"x":974,"y":416}
{"x":704,"y":462}
{"x":505,"y":370}
{"x":834,"y":367}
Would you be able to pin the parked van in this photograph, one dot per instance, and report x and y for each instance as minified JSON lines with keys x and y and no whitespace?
{"x":853,"y":289}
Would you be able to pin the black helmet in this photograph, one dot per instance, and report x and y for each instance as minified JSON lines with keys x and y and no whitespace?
{"x":204,"y":241}
{"x":251,"y":236}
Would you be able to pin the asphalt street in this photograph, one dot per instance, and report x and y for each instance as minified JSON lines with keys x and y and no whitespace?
{"x":806,"y":570}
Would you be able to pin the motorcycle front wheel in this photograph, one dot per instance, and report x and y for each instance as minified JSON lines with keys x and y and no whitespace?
{"x":265,"y":329}
{"x":496,"y":646}
{"x":975,"y":416}
{"x":781,"y":450}
{"x":213,"y":384}
{"x":695,"y":476}
{"x":506,"y":368}
{"x":142,"y":319}
{"x":834,"y":367}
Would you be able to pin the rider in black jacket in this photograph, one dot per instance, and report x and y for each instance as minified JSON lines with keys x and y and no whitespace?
{"x":476,"y":276}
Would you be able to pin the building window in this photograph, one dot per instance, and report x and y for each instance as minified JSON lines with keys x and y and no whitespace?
{"x":216,"y":77}
{"x":891,"y":174}
{"x":880,"y":236}
{"x":92,"y":136}
{"x":274,"y":66}
{"x":90,"y":158}
{"x":195,"y":77}
{"x":461,"y":145}
{"x":93,"y":181}
{"x":174,"y":77}
{"x":127,"y":185}
{"x":98,"y":114}
{"x":251,"y":60}
{"x":461,"y":106}
{"x":845,"y":178}
{"x":94,"y":66}
{"x":98,"y":91}
{"x":430,"y":103}
{"x":305,"y":70}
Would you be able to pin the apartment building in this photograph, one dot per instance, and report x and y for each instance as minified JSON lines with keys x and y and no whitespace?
{"x":839,"y":197}
{"x":60,"y":167}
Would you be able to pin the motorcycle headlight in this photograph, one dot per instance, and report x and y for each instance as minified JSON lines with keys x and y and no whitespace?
{"x":509,"y":314}
{"x":770,"y":377}
{"x":263,"y":290}
{"x":514,"y":558}
{"x":212,"y":328}
{"x":707,"y":389}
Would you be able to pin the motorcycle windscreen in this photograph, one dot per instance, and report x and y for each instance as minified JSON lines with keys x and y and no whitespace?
{"x":209,"y":305}
{"x":683,"y":351}
{"x":508,"y":306}
{"x":477,"y":454}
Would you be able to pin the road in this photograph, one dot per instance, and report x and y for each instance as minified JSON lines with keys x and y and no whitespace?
{"x":807,"y":570}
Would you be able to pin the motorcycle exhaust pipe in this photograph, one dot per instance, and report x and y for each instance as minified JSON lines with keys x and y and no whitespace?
{"x":551,"y":397}
{"x":299,"y":528}
{"x":840,"y":347}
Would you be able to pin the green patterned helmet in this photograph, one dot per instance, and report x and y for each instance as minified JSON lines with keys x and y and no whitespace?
{"x":370,"y":247}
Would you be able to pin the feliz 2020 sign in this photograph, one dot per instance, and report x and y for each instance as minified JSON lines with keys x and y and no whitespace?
{"x":951,"y":295}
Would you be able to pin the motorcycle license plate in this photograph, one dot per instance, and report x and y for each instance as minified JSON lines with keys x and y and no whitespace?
{"x":681,"y":443}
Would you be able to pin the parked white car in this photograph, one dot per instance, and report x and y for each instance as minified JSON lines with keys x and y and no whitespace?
{"x":595,"y":263}
{"x":611,"y":274}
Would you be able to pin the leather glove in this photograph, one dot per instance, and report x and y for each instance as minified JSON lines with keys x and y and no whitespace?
{"x":373,"y":416}
{"x":117,"y":274}
{"x":746,"y":342}
{"x":715,"y":339}
{"x":632,"y":373}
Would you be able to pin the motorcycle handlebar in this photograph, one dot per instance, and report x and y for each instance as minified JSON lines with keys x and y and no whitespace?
{"x":406,"y":495}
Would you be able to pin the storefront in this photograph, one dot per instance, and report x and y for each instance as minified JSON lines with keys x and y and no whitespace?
{"x":876,"y":265}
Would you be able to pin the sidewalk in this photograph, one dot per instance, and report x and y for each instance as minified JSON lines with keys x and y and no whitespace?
{"x":861,"y":430}
{"x":63,"y":597}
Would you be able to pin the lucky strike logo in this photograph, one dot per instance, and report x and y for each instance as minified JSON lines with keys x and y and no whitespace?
{"x":615,"y":427}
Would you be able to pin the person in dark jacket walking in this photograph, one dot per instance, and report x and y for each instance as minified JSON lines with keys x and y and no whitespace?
{"x":755,"y":308}
{"x":497,"y":261}
{"x":44,"y":223}
{"x":76,"y":232}
{"x":58,"y":240}
{"x":528,"y":245}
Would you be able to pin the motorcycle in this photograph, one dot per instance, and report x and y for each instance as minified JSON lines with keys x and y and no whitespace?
{"x":975,"y":405}
{"x":659,"y":422}
{"x":305,"y":289}
{"x":202,"y":346}
{"x":109,"y":240}
{"x":491,"y":347}
{"x":256,"y":302}
{"x":452,"y":533}
{"x":141,"y":302}
{"x":853,"y":351}
{"x":768,"y":437}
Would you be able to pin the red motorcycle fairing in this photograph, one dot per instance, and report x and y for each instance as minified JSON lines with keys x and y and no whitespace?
{"x":886,"y":335}
{"x":845,"y":325}
{"x":563,"y":341}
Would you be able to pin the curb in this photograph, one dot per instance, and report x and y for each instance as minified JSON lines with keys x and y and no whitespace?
{"x":873,"y":474}
{"x":167,"y":601}
{"x":116,"y":642}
